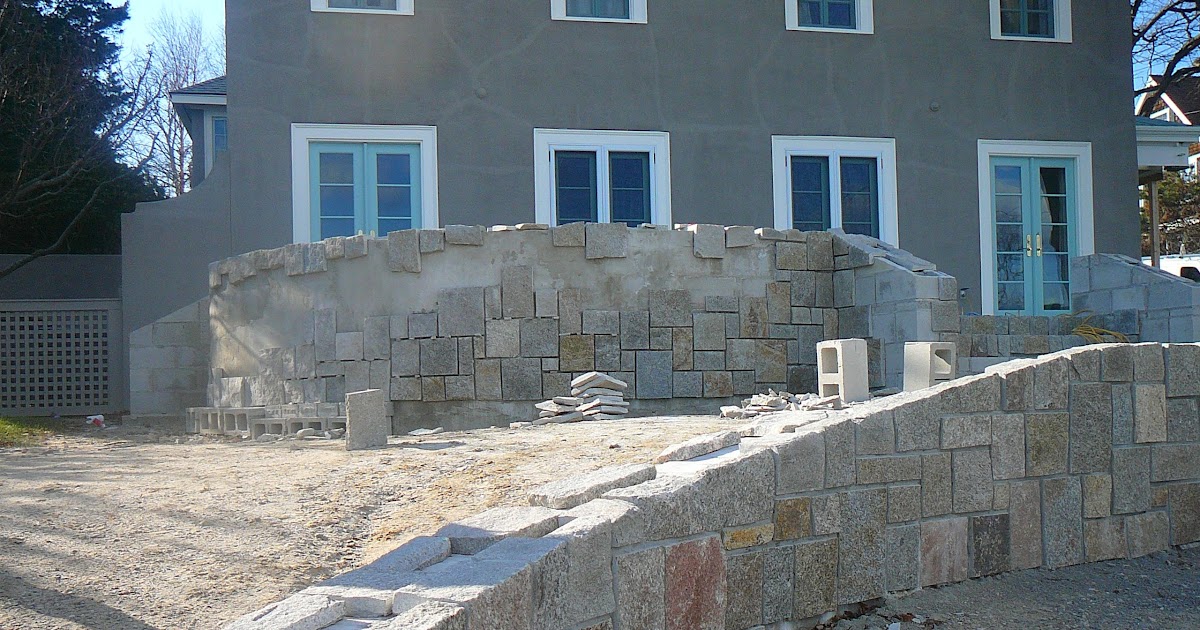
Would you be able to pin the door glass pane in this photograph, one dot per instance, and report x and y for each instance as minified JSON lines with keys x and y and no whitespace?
{"x":1054,"y":181}
{"x":1055,"y":239}
{"x":1010,"y":296}
{"x":1010,"y":238}
{"x":1008,"y":208}
{"x":394,"y":202}
{"x":394,"y":168}
{"x":337,"y":201}
{"x":1008,"y":180}
{"x":630,"y":175}
{"x":1054,"y":210}
{"x":810,"y":193}
{"x":1056,"y":268}
{"x":1056,"y":297}
{"x":1011,"y":267}
{"x":575,"y":186}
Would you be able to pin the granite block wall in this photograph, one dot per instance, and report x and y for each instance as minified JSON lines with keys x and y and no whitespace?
{"x":1084,"y":455}
{"x":466,"y":321}
{"x":169,"y":364}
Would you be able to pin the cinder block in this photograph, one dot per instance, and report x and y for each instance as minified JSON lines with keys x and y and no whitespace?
{"x":842,"y":369}
{"x":928,"y":363}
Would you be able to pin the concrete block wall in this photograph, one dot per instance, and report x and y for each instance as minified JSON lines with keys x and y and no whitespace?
{"x":1084,"y":455}
{"x":460,"y":323}
{"x":169,"y":363}
{"x":986,"y":340}
{"x":1136,"y":299}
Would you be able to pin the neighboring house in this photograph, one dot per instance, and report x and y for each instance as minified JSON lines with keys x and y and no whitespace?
{"x":202,"y":110}
{"x":1180,"y":103}
{"x":992,"y":138}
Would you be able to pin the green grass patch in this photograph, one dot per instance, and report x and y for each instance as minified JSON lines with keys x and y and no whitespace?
{"x":28,"y":431}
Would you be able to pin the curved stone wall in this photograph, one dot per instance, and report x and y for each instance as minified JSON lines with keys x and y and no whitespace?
{"x":1085,"y":455}
{"x":463,"y":319}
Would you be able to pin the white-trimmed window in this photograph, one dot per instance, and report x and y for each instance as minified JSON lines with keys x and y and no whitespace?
{"x":602,"y":176}
{"x":836,"y":16}
{"x":351,"y":179}
{"x":395,"y":7}
{"x":216,"y":137}
{"x":626,"y":11}
{"x":1032,"y":20}
{"x":825,"y":182}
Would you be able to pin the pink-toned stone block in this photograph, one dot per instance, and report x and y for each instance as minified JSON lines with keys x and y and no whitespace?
{"x":944,"y":551}
{"x":696,"y":585}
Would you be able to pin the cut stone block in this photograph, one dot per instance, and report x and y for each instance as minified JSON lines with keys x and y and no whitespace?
{"x":928,"y":364}
{"x":582,"y":589}
{"x":654,"y":374}
{"x":802,"y":462}
{"x":1183,"y":419}
{"x":736,"y":538}
{"x":966,"y":431}
{"x":695,"y":585}
{"x":367,"y":423}
{"x":1184,"y":503}
{"x":606,"y":240}
{"x":904,"y":503}
{"x":1131,"y":480}
{"x":539,"y":338}
{"x":1025,"y":524}
{"x":698,"y":446}
{"x":1097,"y":496}
{"x":431,"y":615}
{"x":635,"y":330}
{"x":739,"y":236}
{"x":422,"y":325}
{"x":432,"y":241}
{"x":791,"y":256}
{"x":972,"y":481}
{"x":516,"y":292}
{"x":503,"y":339}
{"x":476,"y":533}
{"x":862,"y":546}
{"x":1150,"y":413}
{"x":1146,"y":533}
{"x":298,"y":612}
{"x":465,"y":234}
{"x":521,"y":379}
{"x":461,"y":312}
{"x":793,"y":519}
{"x":1008,"y":446}
{"x":1104,"y":539}
{"x":873,"y":470}
{"x":1046,"y":439}
{"x":569,"y":235}
{"x":944,"y":557}
{"x":903,"y":558}
{"x":937,"y":497}
{"x":744,"y":590}
{"x":1062,"y":509}
{"x":574,"y":491}
{"x":815,"y":578}
{"x":641,"y":588}
{"x":990,"y":545}
{"x":439,"y":357}
{"x":670,"y":308}
{"x":1183,"y":364}
{"x":404,"y":251}
{"x":842,"y":369}
{"x":577,"y":353}
{"x":708,"y":241}
{"x":1175,"y":462}
{"x":876,"y":434}
{"x":350,"y":346}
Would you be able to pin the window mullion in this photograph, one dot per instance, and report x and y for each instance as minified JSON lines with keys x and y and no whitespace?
{"x":603,"y":187}
{"x":364,"y":184}
{"x":835,"y":190}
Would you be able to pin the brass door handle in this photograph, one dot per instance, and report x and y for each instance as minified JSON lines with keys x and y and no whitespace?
{"x":1028,"y":246}
{"x":1039,"y":245}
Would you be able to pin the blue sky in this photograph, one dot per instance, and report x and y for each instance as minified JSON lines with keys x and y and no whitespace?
{"x":142,"y":14}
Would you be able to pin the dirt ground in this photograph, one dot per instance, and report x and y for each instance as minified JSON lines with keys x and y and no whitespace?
{"x":129,"y":530}
{"x":126,"y":529}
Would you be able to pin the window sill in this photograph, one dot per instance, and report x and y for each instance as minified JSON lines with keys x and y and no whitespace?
{"x":833,"y":30}
{"x":1026,"y":38}
{"x":599,"y":20}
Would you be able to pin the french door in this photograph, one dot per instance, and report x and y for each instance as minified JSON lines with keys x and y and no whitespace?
{"x":1034,"y":206}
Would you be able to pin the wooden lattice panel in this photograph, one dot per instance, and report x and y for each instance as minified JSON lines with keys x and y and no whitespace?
{"x":54,"y":360}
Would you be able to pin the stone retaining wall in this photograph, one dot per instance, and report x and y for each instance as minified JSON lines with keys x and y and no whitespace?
{"x":1084,"y":455}
{"x":169,"y":367}
{"x":461,"y":324}
{"x":1136,"y":299}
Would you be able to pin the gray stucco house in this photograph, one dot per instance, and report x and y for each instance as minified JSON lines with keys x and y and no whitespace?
{"x":991,"y":138}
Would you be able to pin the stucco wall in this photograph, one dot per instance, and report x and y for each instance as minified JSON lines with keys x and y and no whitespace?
{"x":722,"y":80}
{"x":1085,"y":455}
{"x":466,"y":319}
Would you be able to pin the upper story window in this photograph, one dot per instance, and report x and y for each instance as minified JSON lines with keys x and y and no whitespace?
{"x":602,"y":177}
{"x":220,"y":134}
{"x":841,"y":16}
{"x":628,"y":11}
{"x":1032,"y":20}
{"x":401,"y":7}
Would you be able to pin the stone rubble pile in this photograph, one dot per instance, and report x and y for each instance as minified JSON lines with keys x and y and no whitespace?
{"x":594,"y":396}
{"x":772,"y":402}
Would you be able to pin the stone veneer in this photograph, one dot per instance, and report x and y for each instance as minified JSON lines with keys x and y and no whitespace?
{"x":1084,"y":455}
{"x":464,"y":326}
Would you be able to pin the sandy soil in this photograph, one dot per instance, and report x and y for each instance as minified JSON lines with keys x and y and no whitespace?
{"x":128,"y":530}
{"x":131,"y":530}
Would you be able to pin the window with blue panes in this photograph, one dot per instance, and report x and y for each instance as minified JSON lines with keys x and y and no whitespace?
{"x":829,"y":13}
{"x":815,"y":207}
{"x":220,"y":134}
{"x":1027,"y":18}
{"x":602,"y":186}
{"x":364,"y":187}
{"x":607,"y":9}
{"x":379,"y":5}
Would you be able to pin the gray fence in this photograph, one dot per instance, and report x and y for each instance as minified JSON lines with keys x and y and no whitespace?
{"x":61,"y":356}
